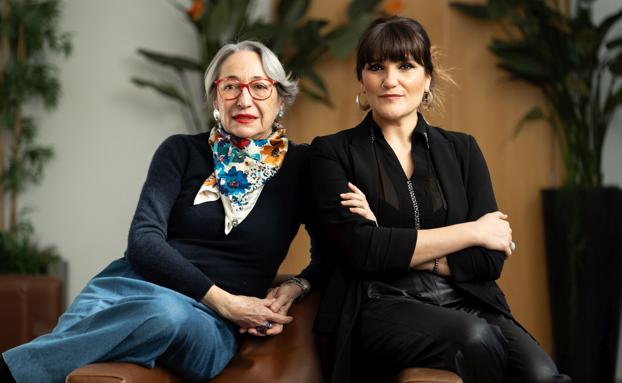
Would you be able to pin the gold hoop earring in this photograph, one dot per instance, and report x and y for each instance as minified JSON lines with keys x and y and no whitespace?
{"x":427,"y":97}
{"x":363,"y":105}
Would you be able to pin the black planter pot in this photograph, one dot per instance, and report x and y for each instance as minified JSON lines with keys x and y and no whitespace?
{"x":583,"y":234}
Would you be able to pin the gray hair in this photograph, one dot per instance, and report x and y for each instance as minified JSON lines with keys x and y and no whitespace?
{"x":287,"y":88}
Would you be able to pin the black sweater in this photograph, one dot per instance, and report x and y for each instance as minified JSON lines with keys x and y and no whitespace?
{"x":183,"y":247}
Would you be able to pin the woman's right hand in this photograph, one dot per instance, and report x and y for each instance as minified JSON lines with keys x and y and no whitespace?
{"x":246,"y":312}
{"x":493,"y":232}
{"x":357,"y":203}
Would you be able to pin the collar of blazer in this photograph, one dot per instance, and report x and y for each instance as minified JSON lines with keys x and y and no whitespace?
{"x":446,"y":163}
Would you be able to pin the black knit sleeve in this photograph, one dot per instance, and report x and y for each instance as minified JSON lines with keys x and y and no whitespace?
{"x":315,"y":271}
{"x":364,"y":247}
{"x":148,"y":252}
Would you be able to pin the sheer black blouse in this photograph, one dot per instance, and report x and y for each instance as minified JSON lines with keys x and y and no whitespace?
{"x":416,"y":201}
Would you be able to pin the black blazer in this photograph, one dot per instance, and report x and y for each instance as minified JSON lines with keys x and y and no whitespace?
{"x":361,"y":250}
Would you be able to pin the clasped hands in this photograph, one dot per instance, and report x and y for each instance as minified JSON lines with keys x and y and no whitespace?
{"x":278,"y":302}
{"x":250,"y":313}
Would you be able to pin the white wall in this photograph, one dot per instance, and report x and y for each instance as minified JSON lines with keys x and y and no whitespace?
{"x":105,"y":129}
{"x":612,"y":156}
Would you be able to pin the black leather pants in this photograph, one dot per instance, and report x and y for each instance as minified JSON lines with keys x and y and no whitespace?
{"x":481,"y":347}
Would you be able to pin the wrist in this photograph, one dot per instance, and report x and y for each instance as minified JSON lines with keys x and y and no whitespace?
{"x":435,"y":266}
{"x":474,"y":237}
{"x":302,"y":284}
{"x":292,"y":290}
{"x":217,"y":299}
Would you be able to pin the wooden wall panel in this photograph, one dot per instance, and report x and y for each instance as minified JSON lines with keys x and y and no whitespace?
{"x":484,"y":104}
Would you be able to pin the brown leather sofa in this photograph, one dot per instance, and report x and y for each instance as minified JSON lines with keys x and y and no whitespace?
{"x":29,"y":306}
{"x":291,"y":357}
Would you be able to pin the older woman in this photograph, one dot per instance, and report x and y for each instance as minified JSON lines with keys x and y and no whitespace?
{"x":215,"y":219}
{"x":415,"y":286}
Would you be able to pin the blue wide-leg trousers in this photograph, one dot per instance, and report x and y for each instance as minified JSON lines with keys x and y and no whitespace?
{"x":121,"y":317}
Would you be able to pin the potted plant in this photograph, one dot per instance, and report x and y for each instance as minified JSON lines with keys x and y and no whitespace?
{"x":28,"y":35}
{"x":301,"y":42}
{"x":569,"y":58}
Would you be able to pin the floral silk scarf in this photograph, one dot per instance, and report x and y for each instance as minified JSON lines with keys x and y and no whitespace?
{"x":242,"y":167}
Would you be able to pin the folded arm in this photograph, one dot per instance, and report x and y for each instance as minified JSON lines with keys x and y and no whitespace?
{"x":369,"y":248}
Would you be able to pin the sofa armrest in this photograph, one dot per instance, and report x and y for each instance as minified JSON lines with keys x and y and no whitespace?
{"x":426,"y":375}
{"x":112,"y":372}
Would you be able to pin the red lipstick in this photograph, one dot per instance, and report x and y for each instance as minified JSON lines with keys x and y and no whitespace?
{"x":244,"y":118}
{"x":391,"y":96}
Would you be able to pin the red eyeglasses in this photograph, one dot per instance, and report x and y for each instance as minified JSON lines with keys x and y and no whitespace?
{"x":230,"y":88}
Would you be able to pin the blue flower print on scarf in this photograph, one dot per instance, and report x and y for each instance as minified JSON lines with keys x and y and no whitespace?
{"x":236,"y":155}
{"x":233,"y":182}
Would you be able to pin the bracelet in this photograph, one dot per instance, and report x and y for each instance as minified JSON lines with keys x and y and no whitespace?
{"x":304,"y":286}
{"x":435,"y":267}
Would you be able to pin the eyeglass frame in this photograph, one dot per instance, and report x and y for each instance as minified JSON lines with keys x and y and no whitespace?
{"x":247,"y":86}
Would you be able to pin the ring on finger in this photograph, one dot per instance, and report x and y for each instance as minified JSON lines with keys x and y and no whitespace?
{"x":262,"y":329}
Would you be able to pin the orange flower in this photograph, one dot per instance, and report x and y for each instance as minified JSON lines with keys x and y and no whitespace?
{"x":210,"y":181}
{"x":393,"y":6}
{"x":196,"y":10}
{"x":275,"y":153}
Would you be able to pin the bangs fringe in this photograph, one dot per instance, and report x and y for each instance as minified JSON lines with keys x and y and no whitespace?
{"x":393,"y":43}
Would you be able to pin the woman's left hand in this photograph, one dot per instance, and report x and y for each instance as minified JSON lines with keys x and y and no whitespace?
{"x":357,"y":202}
{"x":283,"y":296}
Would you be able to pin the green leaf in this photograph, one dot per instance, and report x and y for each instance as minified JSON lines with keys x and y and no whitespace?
{"x":613,"y":101}
{"x":316,"y":80}
{"x":307,"y":45}
{"x":316,"y":96}
{"x":498,"y":9}
{"x":608,"y":22}
{"x":587,"y":42}
{"x":20,"y":253}
{"x":576,"y":85}
{"x":614,"y":43}
{"x":217,"y":20}
{"x":534,"y":114}
{"x":472,"y":10}
{"x":166,"y":90}
{"x":290,"y":11}
{"x":259,"y":31}
{"x":29,"y":130}
{"x":177,"y":62}
{"x":522,"y":66}
{"x":342,"y":41}
{"x":615,"y":66}
{"x":498,"y":47}
{"x":308,"y":35}
{"x":239,"y":18}
{"x":359,"y":7}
